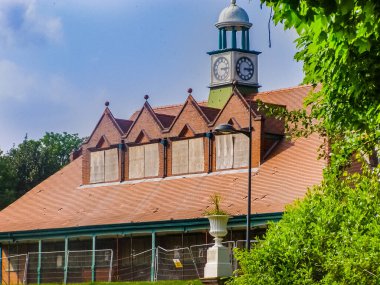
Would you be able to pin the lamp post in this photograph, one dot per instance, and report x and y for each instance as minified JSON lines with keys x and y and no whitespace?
{"x":229,"y":129}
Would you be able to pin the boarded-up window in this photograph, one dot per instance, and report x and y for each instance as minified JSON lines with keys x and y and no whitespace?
{"x":180,"y":157}
{"x":97,"y":167}
{"x":143,"y":161}
{"x":241,"y":145}
{"x":111,"y":165}
{"x":196,"y":155}
{"x":151,"y":160}
{"x":224,"y":152}
{"x":231,"y":151}
{"x":136,"y":162}
{"x":187,"y":156}
{"x":104,"y":166}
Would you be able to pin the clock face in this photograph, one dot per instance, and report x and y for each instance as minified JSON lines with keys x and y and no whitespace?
{"x":221,"y":68}
{"x":245,"y":68}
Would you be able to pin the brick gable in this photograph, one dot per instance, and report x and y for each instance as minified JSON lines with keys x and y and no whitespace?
{"x":192,"y":116}
{"x":106,"y":133}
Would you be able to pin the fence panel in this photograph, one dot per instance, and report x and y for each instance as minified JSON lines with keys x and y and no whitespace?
{"x":14,"y":269}
{"x":49,"y":267}
{"x":80,"y":265}
{"x":175,"y":264}
{"x":136,"y":267}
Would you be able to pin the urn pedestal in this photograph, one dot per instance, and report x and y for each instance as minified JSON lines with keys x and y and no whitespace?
{"x":218,"y":256}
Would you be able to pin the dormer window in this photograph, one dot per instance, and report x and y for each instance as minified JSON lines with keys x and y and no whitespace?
{"x":104,"y":166}
{"x":187,"y":156}
{"x":143,"y":161}
{"x":231,"y":151}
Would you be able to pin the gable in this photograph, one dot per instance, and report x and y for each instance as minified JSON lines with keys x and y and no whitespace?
{"x":190,"y":116}
{"x":145,"y":121}
{"x":235,"y":111}
{"x":105,"y":130}
{"x":186,"y":132}
{"x":143,"y":137}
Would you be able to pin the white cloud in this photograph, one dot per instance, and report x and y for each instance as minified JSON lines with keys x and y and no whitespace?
{"x":15,"y":82}
{"x":21,"y":24}
{"x":20,"y":84}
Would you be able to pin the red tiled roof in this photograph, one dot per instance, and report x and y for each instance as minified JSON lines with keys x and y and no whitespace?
{"x":59,"y":201}
{"x":210,"y":113}
{"x":291,"y":97}
{"x":124,"y":124}
{"x":166,"y":120}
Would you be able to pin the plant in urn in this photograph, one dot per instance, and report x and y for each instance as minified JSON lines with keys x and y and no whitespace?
{"x":218,"y":257}
{"x":218,"y":219}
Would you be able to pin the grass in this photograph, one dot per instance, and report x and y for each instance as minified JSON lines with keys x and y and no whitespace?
{"x":168,"y":282}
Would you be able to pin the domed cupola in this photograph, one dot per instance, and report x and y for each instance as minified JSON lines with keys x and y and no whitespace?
{"x":233,"y":63}
{"x":233,"y":18}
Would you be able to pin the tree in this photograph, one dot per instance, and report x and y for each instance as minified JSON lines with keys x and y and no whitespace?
{"x":7,"y":181}
{"x":330,"y":237}
{"x":33,"y":161}
{"x":58,"y":147}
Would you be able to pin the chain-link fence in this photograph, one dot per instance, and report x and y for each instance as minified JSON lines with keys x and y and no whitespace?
{"x":100,"y":265}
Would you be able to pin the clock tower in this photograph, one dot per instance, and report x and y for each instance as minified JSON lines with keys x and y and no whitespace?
{"x":233,"y":61}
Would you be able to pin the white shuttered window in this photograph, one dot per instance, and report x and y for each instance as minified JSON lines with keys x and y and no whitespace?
{"x":143,"y":161}
{"x":187,"y":156}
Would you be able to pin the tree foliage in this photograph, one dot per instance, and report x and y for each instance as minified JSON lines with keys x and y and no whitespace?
{"x":32,"y":161}
{"x":332,"y":236}
{"x":339,"y":44}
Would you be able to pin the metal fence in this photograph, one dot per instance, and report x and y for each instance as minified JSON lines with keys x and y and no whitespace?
{"x":136,"y":267}
{"x":100,"y":265}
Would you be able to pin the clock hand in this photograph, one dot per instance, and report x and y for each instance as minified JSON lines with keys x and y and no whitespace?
{"x":224,"y":68}
{"x":247,"y":68}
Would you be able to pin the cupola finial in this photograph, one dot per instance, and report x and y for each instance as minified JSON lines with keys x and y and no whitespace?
{"x":233,"y":2}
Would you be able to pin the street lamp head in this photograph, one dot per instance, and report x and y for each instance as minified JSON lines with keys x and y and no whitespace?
{"x":225,"y":129}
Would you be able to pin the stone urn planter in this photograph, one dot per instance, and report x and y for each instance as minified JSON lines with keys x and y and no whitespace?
{"x":218,"y":256}
{"x":218,"y":227}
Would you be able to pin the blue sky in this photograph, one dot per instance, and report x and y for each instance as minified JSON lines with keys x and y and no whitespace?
{"x":60,"y":60}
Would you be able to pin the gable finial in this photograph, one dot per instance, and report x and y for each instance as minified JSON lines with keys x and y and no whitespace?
{"x":107,"y":103}
{"x":190,"y":90}
{"x":146,"y":97}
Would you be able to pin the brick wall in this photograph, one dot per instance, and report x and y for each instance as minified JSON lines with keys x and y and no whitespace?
{"x":190,"y":122}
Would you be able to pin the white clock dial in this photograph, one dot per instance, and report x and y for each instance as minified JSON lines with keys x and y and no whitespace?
{"x":221,"y":68}
{"x":245,"y":68}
